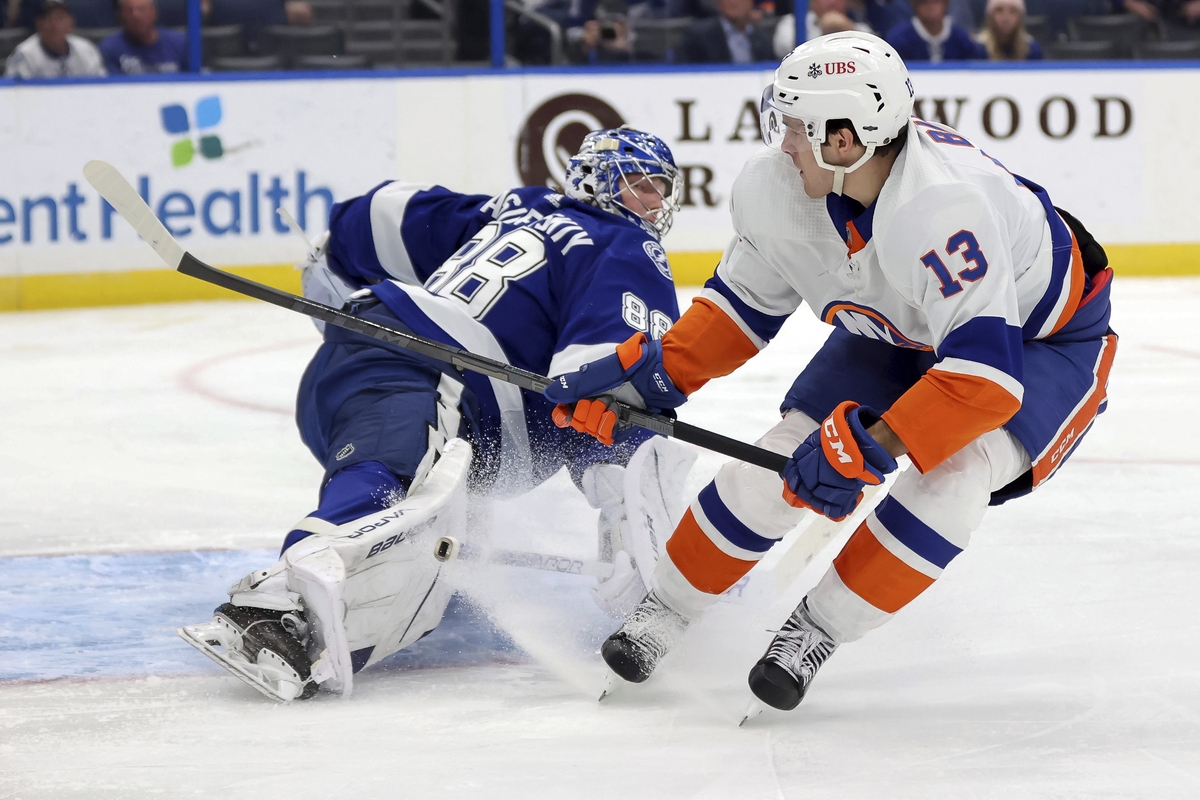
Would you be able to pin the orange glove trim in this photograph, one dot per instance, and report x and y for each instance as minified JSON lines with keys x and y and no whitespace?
{"x":629,"y":352}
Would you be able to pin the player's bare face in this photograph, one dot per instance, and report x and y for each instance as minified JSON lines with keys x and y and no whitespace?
{"x":818,"y":182}
{"x":644,"y":195}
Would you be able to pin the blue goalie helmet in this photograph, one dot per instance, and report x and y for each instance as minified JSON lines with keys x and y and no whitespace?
{"x":641,"y":164}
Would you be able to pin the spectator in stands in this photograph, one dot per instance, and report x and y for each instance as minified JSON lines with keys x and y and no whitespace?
{"x":1181,"y":18}
{"x":604,"y":39}
{"x":254,"y":15}
{"x":824,"y":16}
{"x":53,"y":52}
{"x":728,"y":38}
{"x":931,"y":35}
{"x":1004,"y":35}
{"x":141,"y":46}
{"x":881,"y":15}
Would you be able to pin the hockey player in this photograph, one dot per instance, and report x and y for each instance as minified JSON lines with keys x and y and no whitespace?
{"x":970,"y":333}
{"x":535,"y":278}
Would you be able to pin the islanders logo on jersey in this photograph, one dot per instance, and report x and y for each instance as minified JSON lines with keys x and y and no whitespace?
{"x":866,"y":321}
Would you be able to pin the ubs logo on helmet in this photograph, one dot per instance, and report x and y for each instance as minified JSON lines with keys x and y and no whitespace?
{"x":832,"y":68}
{"x":553,"y":133}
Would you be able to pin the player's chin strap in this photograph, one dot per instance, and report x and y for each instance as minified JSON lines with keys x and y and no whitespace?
{"x":840,"y":173}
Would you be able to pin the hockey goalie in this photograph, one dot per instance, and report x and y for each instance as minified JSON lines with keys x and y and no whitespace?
{"x":541,"y":279}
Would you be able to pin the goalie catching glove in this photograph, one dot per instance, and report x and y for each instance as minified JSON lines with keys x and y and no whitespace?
{"x":829,"y":469}
{"x":634,"y":375}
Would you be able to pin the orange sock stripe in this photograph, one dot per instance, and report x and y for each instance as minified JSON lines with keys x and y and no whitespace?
{"x":704,"y":344}
{"x":877,"y":576}
{"x":700,"y":561}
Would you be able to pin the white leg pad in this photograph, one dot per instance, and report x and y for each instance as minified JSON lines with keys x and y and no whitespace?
{"x":374,"y":585}
{"x":654,"y":501}
{"x":639,"y":507}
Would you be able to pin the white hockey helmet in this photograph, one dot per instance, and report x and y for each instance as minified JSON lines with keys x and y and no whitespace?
{"x":852,"y":75}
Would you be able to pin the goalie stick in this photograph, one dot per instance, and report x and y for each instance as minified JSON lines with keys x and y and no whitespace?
{"x":113,"y":187}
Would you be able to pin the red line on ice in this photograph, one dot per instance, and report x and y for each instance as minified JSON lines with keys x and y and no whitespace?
{"x":190,"y":378}
{"x":1172,"y":351}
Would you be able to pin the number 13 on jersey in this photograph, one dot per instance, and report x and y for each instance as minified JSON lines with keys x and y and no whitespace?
{"x":965,"y":242}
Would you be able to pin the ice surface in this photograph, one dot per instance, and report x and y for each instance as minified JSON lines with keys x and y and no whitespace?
{"x":149,"y":460}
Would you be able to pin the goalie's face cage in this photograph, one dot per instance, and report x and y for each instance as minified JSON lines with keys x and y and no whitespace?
{"x":630,"y":173}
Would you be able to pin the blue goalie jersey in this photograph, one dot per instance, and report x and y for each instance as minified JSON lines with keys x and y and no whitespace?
{"x":529,"y":277}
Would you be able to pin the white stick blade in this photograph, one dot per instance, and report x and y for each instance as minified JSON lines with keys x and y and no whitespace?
{"x":113,"y":187}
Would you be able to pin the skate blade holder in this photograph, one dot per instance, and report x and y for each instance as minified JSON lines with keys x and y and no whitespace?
{"x":446,"y":549}
{"x":272,"y":676}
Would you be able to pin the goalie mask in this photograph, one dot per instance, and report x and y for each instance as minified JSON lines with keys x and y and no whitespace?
{"x":618,"y":158}
{"x":854,"y":76}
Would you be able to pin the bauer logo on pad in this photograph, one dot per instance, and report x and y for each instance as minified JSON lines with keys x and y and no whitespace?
{"x":344,"y":452}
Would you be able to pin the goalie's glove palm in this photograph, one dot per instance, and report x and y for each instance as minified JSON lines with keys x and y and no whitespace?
{"x":829,"y":469}
{"x":634,"y":374}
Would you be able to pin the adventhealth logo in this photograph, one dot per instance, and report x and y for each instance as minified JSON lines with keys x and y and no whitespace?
{"x":232,"y":207}
{"x":175,"y":122}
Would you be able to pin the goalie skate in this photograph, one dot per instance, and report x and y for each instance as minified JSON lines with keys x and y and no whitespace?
{"x":255,"y":645}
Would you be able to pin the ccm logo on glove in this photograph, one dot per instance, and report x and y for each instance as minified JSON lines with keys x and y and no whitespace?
{"x":828,"y":470}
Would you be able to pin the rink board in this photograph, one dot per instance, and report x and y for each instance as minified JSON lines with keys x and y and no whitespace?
{"x":217,"y":156}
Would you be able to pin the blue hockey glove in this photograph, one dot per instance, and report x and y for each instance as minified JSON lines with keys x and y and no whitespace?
{"x":829,"y":469}
{"x":634,"y":374}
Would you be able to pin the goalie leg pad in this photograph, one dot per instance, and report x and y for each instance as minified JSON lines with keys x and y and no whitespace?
{"x":639,"y":505}
{"x":376,"y":585}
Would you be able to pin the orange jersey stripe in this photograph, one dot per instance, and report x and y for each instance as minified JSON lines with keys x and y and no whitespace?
{"x":704,"y":344}
{"x":870,"y":571}
{"x":857,"y":242}
{"x":1052,"y":456}
{"x":1077,"y":279}
{"x":945,"y":411}
{"x":700,"y":561}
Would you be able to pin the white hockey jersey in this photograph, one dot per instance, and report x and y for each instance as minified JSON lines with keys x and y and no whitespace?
{"x":956,"y":256}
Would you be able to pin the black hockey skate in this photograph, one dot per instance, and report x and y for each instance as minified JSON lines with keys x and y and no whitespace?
{"x":782,"y":676}
{"x":264,"y":648}
{"x":651,"y":631}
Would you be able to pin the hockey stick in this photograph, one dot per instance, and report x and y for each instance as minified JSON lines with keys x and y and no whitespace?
{"x":113,"y":187}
